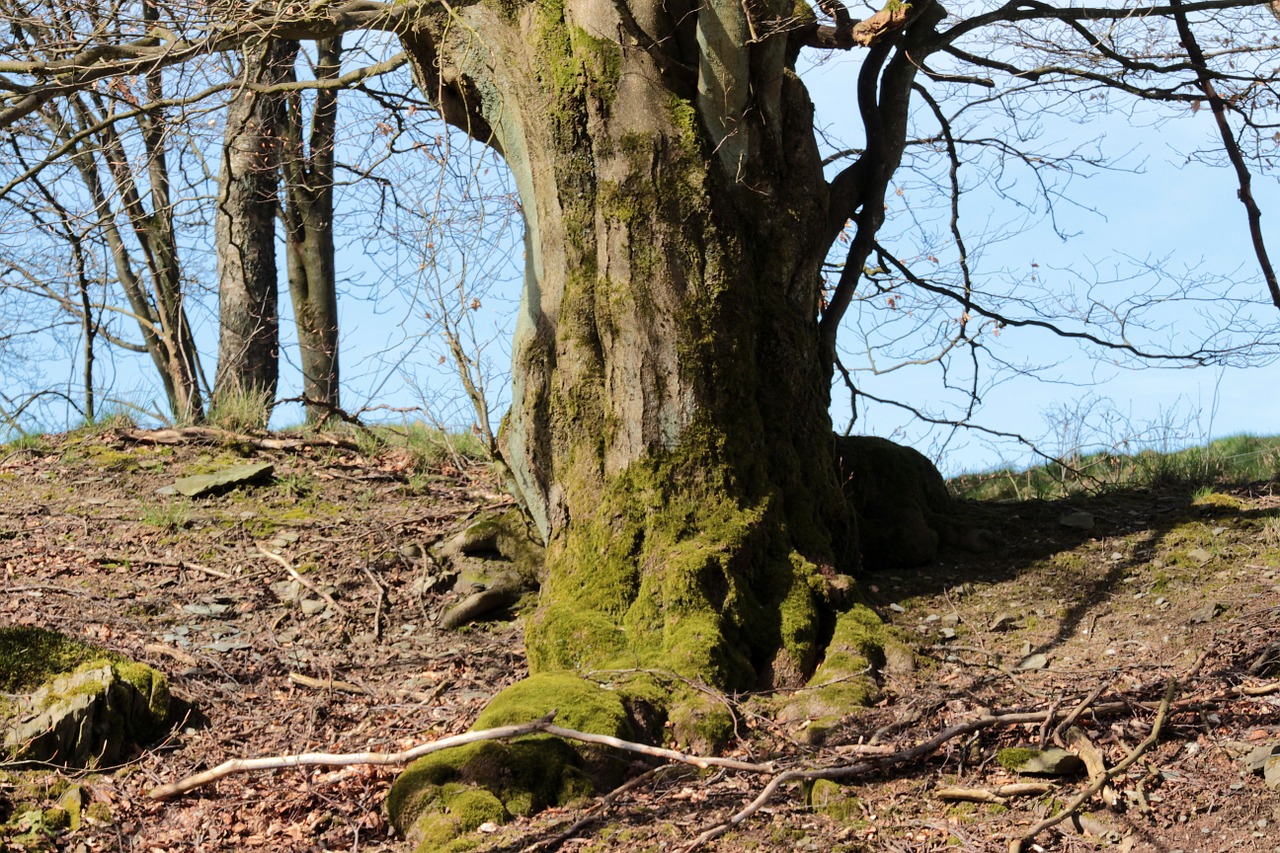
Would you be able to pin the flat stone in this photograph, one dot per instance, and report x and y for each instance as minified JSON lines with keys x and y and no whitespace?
{"x":1079,"y":519}
{"x":224,"y":480}
{"x":1258,"y":757}
{"x":1200,"y":555}
{"x":312,"y":606}
{"x":1205,"y":612}
{"x":1271,"y":773}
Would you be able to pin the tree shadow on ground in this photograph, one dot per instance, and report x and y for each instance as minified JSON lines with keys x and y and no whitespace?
{"x":1132,"y":527}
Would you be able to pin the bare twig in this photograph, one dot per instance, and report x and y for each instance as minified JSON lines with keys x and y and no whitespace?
{"x":999,"y":796}
{"x":381,"y":597}
{"x":189,"y":435}
{"x":1077,"y":711}
{"x":1019,"y":844}
{"x":293,"y":573}
{"x":325,"y":683}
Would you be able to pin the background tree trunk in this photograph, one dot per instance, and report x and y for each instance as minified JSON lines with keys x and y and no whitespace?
{"x":308,"y":170}
{"x":249,"y":338}
{"x":669,"y":430}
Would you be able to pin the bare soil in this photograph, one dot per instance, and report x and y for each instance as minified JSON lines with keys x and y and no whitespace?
{"x":1118,"y":611}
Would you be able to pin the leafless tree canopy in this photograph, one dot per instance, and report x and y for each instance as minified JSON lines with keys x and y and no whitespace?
{"x":952,"y":101}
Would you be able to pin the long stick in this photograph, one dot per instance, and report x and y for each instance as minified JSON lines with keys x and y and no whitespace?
{"x":328,"y":759}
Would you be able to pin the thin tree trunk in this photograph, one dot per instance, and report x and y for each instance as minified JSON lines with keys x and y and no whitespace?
{"x":308,"y":170}
{"x":172,"y":351}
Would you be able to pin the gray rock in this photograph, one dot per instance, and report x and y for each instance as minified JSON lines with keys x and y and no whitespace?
{"x":220,"y":481}
{"x":1271,"y":773}
{"x":1258,"y":757}
{"x":312,"y":606}
{"x":1004,"y":622}
{"x":1079,"y":519}
{"x":1032,"y":662}
{"x":1205,"y":613}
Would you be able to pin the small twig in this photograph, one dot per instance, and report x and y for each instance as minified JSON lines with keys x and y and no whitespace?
{"x":165,"y":564}
{"x":1018,"y":844}
{"x":326,"y":683}
{"x":1259,"y":689}
{"x":1071,"y":718}
{"x":701,"y":761}
{"x":293,"y":573}
{"x":381,"y":599}
{"x":1048,"y":721}
{"x":593,"y":812}
{"x":188,"y":435}
{"x":1000,"y":796}
{"x":325,"y":759}
{"x":177,"y":654}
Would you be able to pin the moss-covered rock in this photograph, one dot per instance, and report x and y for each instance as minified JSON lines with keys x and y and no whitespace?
{"x":904,"y":508}
{"x":448,"y":793}
{"x":76,"y":704}
{"x":833,"y":800}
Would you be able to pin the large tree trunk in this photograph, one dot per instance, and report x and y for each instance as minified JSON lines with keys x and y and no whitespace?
{"x":244,"y":228}
{"x":669,"y":430}
{"x":308,"y":169}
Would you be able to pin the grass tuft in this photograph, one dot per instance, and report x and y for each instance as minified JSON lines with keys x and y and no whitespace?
{"x":240,"y":410}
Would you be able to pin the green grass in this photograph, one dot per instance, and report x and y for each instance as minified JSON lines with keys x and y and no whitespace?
{"x":24,"y":441}
{"x":240,"y":410}
{"x":1228,"y":461}
{"x":169,"y":517}
{"x":429,"y":447}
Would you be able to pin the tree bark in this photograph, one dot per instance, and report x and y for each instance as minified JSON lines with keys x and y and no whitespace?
{"x":308,"y":169}
{"x":669,"y":431}
{"x":244,"y":229}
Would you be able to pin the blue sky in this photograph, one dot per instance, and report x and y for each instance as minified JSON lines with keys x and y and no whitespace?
{"x":1160,"y":209}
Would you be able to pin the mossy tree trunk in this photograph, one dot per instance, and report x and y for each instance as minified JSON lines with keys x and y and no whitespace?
{"x":669,"y":432}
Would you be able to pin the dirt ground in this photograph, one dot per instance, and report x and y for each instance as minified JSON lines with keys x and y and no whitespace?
{"x":1161,"y":588}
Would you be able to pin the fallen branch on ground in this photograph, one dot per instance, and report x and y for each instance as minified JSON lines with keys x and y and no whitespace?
{"x":1072,"y":808}
{"x":293,"y":573}
{"x":999,"y":796}
{"x":189,"y":435}
{"x":544,"y":725}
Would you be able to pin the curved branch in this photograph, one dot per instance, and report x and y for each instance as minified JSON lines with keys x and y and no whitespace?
{"x":1199,"y":357}
{"x":1219,"y":107}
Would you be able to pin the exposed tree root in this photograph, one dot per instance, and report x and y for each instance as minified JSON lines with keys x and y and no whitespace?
{"x":870,"y":760}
